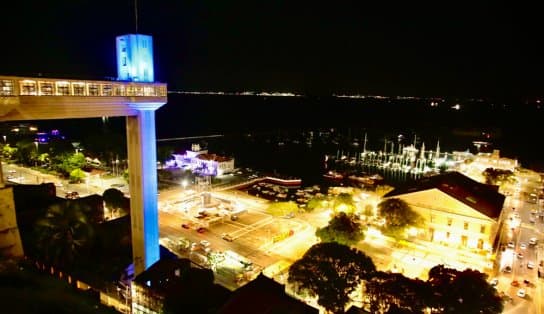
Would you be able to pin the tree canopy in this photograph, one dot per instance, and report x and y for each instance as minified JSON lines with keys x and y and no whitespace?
{"x":342,"y":228}
{"x":463,"y":291}
{"x":63,"y":233}
{"x":498,"y":176}
{"x":397,"y":214}
{"x":343,"y":202}
{"x":331,"y":272}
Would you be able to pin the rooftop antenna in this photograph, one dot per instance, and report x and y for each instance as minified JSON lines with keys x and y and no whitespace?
{"x":136,"y":15}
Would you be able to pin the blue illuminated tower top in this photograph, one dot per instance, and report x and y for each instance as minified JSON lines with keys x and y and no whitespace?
{"x":135,"y":58}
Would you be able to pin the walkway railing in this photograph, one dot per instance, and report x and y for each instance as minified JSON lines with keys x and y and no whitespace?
{"x":38,"y":86}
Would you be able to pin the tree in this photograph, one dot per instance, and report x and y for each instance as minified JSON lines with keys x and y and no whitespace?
{"x":343,"y":228}
{"x":113,"y":198}
{"x":77,"y":175}
{"x":282,"y":208}
{"x":498,"y":176}
{"x":63,"y":233}
{"x":463,"y":291}
{"x":398,"y":215}
{"x":8,"y":152}
{"x":394,"y":293}
{"x":331,"y":272}
{"x":343,"y":202}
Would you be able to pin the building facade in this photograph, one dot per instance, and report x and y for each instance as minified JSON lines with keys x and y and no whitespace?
{"x":457,"y":211}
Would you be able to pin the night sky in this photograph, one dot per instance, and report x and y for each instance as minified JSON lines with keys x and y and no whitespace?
{"x":312,"y":48}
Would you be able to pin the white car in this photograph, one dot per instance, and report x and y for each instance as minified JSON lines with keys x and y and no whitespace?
{"x":523,"y":245}
{"x":521,"y":293}
{"x":205,"y":243}
{"x":511,"y":244}
{"x":532,"y":241}
{"x":530,"y":265}
{"x":494,"y":282}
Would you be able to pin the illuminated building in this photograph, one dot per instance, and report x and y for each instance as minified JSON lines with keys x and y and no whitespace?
{"x":135,"y":58}
{"x":458,"y":212}
{"x":200,"y":161}
{"x":483,"y":161}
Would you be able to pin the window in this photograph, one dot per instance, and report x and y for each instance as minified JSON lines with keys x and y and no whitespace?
{"x":482,"y":229}
{"x":79,"y":89}
{"x":119,"y":90}
{"x":94,"y":89}
{"x":432,"y":218}
{"x":6,"y":88}
{"x":46,"y":88}
{"x":447,"y":235}
{"x":28,"y":87}
{"x":107,"y":90}
{"x":465,"y":225}
{"x":63,"y":89}
{"x":449,"y":222}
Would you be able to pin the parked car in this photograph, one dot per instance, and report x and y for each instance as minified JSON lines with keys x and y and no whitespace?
{"x":201,"y":230}
{"x":227,"y":237}
{"x":186,"y":226}
{"x":521,"y":293}
{"x":532,"y":241}
{"x":494,"y":282}
{"x":530,"y":265}
{"x":205,"y":243}
{"x":72,"y":195}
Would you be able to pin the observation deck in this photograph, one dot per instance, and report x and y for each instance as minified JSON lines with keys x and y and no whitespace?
{"x":40,"y":98}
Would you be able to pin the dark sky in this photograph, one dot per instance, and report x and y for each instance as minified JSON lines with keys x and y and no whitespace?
{"x":485,"y":49}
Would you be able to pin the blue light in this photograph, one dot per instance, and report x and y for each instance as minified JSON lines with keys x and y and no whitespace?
{"x":135,"y":58}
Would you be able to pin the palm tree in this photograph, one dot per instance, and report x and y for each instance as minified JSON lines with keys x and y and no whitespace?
{"x":63,"y":233}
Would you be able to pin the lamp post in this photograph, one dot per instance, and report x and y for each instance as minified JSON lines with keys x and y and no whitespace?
{"x":37,"y":152}
{"x":5,"y":139}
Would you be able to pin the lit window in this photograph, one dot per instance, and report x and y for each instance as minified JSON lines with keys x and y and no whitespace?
{"x":6,"y":88}
{"x":447,"y":235}
{"x":63,"y":88}
{"x":432,"y":218}
{"x":79,"y":89}
{"x":119,"y":90}
{"x":465,"y":226}
{"x":94,"y":89}
{"x":449,"y":222}
{"x":46,"y":88}
{"x":28,"y":87}
{"x":482,"y":229}
{"x":107,"y":90}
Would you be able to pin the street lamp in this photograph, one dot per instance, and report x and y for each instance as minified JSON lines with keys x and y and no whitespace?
{"x":36,"y":160}
{"x":5,"y":139}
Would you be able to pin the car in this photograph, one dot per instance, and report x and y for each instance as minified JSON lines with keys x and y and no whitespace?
{"x":201,"y":230}
{"x":532,"y":241}
{"x":186,"y":226}
{"x":233,"y":217}
{"x":526,"y":281}
{"x":494,"y":282}
{"x":227,"y":237}
{"x":520,"y":255}
{"x":530,"y":265}
{"x":523,"y":245}
{"x":532,"y":220}
{"x":521,"y":293}
{"x":511,"y":244}
{"x":12,"y":171}
{"x":205,"y":243}
{"x":515,"y":283}
{"x":72,"y":195}
{"x":507,"y":269}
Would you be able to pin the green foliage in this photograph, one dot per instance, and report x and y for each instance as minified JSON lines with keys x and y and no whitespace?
{"x":77,"y":175}
{"x":316,"y":202}
{"x":282,"y":208}
{"x":462,"y":292}
{"x":331,"y":272}
{"x":394,"y":293}
{"x":8,"y":152}
{"x":63,"y":233}
{"x":343,"y":229}
{"x":498,"y":176}
{"x":344,"y":202}
{"x":398,"y":215}
{"x":126,"y":175}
